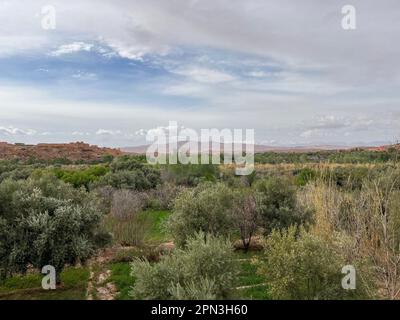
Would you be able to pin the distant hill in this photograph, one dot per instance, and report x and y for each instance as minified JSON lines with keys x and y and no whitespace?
{"x":257,"y":148}
{"x":80,"y":151}
{"x":76,"y":151}
{"x":385,"y":148}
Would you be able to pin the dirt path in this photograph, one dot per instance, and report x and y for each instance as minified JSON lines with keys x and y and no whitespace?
{"x":99,"y":286}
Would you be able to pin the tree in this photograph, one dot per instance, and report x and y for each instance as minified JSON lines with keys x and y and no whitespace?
{"x":44,"y":221}
{"x":207,"y":208}
{"x":278,"y":206}
{"x":204,"y":269}
{"x":245,"y":214}
{"x":137,"y":179}
{"x":305,"y":267}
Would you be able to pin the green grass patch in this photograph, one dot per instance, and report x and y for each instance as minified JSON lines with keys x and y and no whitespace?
{"x":121,"y":277}
{"x":255,"y":293}
{"x":28,"y":287}
{"x":248,"y":275}
{"x":156,"y":233}
{"x":146,"y":228}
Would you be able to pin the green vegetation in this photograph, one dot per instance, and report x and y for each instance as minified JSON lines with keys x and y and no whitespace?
{"x":121,"y":276}
{"x":28,"y":287}
{"x":188,"y":273}
{"x":278,"y":206}
{"x":304,"y":267}
{"x":44,"y":221}
{"x":204,"y":208}
{"x":200,"y":232}
{"x":345,"y":156}
{"x":135,"y":229}
{"x":81,"y":178}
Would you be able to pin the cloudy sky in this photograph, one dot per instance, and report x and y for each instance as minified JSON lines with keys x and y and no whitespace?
{"x":113,"y":69}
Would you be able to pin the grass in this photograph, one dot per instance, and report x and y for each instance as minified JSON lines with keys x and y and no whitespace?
{"x":146,"y":228}
{"x":248,"y":277}
{"x":74,"y":282}
{"x":255,"y":293}
{"x":156,"y":233}
{"x":121,"y":277}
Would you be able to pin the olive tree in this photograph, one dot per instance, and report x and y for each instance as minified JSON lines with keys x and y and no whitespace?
{"x":306,"y":267}
{"x":44,"y":221}
{"x":207,"y":208}
{"x":204,"y":269}
{"x":278,"y":207}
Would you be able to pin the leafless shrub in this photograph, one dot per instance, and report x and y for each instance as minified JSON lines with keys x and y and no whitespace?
{"x":126,"y":203}
{"x":164,"y":195}
{"x":246,"y":217}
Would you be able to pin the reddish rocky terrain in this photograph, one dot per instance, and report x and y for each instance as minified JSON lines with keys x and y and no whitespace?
{"x":77,"y":151}
{"x":385,"y":148}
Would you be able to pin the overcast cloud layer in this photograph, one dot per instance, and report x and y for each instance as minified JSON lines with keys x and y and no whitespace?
{"x":111,"y":70}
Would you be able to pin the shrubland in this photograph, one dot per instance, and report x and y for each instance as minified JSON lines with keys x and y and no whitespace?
{"x":311,"y":216}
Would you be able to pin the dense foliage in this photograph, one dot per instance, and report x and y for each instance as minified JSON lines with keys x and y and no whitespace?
{"x":203,"y":269}
{"x":305,"y":267}
{"x":279,"y":208}
{"x":44,"y":221}
{"x":205,"y":208}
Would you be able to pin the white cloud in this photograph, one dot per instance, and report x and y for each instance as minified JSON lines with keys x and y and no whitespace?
{"x":105,"y":132}
{"x":204,"y":75}
{"x":317,"y":68}
{"x":72,"y":48}
{"x":82,"y":75}
{"x":258,"y":74}
{"x":12,"y":131}
{"x":80,"y":133}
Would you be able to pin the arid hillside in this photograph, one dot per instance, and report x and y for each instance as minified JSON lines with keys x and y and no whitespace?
{"x":77,"y":151}
{"x":385,"y":148}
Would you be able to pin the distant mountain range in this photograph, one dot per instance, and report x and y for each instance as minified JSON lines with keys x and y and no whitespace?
{"x":257,"y":148}
{"x":80,"y":151}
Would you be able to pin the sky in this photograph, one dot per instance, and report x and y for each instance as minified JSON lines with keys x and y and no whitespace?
{"x":112,"y":70}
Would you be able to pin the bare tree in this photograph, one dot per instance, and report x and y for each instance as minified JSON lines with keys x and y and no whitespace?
{"x":246,"y":217}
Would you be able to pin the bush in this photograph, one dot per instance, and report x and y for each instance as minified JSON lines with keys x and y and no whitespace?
{"x":81,"y":178}
{"x":128,"y":163}
{"x":304,"y":176}
{"x":126,"y":203}
{"x":278,"y":205}
{"x":164,"y":195}
{"x":191,"y":174}
{"x":127,"y":222}
{"x":205,"y":268}
{"x":136,"y":179}
{"x":44,"y":221}
{"x":305,"y":268}
{"x":205,"y":208}
{"x":129,"y":231}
